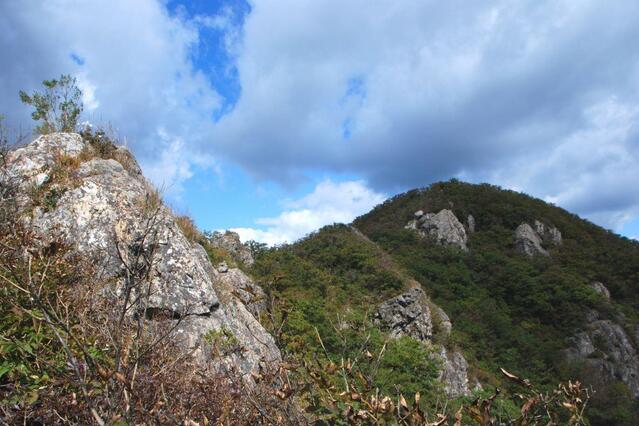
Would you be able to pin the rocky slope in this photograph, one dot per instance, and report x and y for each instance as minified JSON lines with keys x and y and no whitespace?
{"x":412,"y":314}
{"x":108,"y":212}
{"x":539,"y":291}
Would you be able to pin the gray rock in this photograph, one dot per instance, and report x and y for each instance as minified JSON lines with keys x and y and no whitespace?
{"x":245,"y":289}
{"x":113,"y":217}
{"x":549,"y":234}
{"x":222,"y":267}
{"x":600,"y":289}
{"x":230,"y":242}
{"x":444,"y":325}
{"x":406,"y":315}
{"x":454,"y":373}
{"x":471,"y":223}
{"x":409,"y":315}
{"x":527,"y":241}
{"x":443,"y":227}
{"x":605,"y":348}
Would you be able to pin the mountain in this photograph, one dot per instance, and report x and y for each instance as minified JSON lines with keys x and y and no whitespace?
{"x":453,"y":304}
{"x":526,"y":286}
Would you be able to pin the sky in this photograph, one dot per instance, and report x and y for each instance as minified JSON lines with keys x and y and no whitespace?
{"x":274,"y":118}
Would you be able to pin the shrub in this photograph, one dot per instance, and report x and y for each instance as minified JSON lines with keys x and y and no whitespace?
{"x":58,"y":107}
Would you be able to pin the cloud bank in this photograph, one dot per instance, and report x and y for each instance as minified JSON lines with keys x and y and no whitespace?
{"x":329,"y":203}
{"x":539,"y":95}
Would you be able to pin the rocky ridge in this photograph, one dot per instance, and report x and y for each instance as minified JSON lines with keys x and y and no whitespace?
{"x":230,"y":242}
{"x":113,"y":216}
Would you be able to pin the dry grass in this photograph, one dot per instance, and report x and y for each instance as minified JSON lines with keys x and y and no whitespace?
{"x":188,"y":228}
{"x":87,"y":363}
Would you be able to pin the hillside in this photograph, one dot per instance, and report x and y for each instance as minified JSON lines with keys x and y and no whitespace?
{"x":511,"y":310}
{"x":535,"y":315}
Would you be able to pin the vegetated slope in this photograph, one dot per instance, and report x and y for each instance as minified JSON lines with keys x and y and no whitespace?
{"x":328,"y":286}
{"x":508,"y":309}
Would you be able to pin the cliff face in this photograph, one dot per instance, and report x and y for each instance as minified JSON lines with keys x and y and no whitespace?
{"x":106,"y":211}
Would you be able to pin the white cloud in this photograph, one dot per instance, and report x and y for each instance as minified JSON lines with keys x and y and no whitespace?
{"x":330,"y":202}
{"x":134,"y":65}
{"x":488,"y":91}
{"x":88,"y":93}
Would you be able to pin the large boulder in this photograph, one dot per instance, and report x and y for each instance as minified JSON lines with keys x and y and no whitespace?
{"x":549,"y":234}
{"x":607,"y":351}
{"x":443,"y":227}
{"x":112,"y":216}
{"x":528,"y":242}
{"x":601,"y":289}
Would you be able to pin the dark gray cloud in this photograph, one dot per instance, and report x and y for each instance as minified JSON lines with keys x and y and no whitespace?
{"x":133,"y":63}
{"x":540,"y":96}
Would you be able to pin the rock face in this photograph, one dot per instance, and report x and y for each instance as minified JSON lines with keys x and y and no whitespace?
{"x":245,"y":289}
{"x":549,"y":234}
{"x":230,"y":241}
{"x":601,"y":289}
{"x":607,"y":351}
{"x":114,"y":217}
{"x":443,"y":227}
{"x":454,"y":374}
{"x":471,"y":223}
{"x":409,"y":315}
{"x":527,"y":241}
{"x":532,"y":241}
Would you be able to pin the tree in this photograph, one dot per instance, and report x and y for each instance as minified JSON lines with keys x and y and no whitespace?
{"x":58,"y":107}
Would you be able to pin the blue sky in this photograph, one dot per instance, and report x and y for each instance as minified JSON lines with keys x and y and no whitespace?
{"x":276,"y":117}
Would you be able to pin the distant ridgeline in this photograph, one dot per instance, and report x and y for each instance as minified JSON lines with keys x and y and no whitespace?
{"x":464,"y":280}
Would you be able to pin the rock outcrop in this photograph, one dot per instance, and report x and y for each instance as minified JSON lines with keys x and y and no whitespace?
{"x":605,"y":348}
{"x":230,"y":242}
{"x":443,"y":227}
{"x":549,"y":234}
{"x":601,"y":289}
{"x":454,"y":373}
{"x":531,"y":241}
{"x":528,"y":242}
{"x":407,"y":315}
{"x":112,"y":216}
{"x":410,"y":314}
{"x":470,"y":222}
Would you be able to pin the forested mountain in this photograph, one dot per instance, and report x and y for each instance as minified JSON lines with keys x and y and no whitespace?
{"x":528,"y":287}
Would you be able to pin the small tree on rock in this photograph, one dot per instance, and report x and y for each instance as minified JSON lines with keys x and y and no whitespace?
{"x":58,"y":107}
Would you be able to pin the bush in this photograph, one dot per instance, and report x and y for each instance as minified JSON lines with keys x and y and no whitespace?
{"x":58,"y":107}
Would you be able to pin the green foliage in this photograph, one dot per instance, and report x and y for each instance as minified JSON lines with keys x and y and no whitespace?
{"x":222,"y":340}
{"x":58,"y":107}
{"x":256,"y":248}
{"x":508,"y":310}
{"x":328,"y":284}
